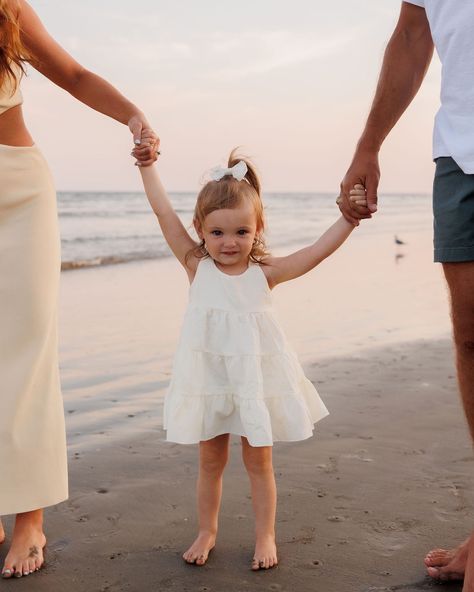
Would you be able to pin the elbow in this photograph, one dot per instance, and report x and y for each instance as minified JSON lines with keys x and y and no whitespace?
{"x":75,"y":79}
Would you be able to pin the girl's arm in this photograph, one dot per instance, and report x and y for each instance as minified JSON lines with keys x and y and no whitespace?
{"x":282,"y":269}
{"x":49,"y":58}
{"x":175,"y":233}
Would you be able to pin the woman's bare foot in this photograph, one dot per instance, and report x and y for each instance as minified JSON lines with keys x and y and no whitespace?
{"x":265,"y":555}
{"x":442,"y":564}
{"x":199,"y":551}
{"x":26,"y":552}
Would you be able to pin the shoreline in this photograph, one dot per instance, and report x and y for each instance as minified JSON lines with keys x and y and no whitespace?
{"x":387,"y":476}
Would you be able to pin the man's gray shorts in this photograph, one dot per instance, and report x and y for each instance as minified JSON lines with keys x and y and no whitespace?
{"x":453,"y":208}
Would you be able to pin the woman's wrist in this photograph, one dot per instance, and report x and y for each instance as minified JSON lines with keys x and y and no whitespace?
{"x":137,"y":116}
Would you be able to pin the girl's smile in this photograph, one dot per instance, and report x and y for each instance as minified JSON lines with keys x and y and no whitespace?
{"x":229,"y":236}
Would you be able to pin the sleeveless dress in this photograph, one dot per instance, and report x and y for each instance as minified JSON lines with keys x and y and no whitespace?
{"x":33,"y":465}
{"x":234,"y":371}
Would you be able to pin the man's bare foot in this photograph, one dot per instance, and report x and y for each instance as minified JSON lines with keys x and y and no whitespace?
{"x":265,"y":555}
{"x":442,"y":564}
{"x":199,"y":551}
{"x":26,"y":552}
{"x":2,"y":533}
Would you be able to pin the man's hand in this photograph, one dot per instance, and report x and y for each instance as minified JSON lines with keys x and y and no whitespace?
{"x":364,"y":171}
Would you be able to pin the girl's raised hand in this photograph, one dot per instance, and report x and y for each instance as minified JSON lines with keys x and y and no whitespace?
{"x":358,"y":195}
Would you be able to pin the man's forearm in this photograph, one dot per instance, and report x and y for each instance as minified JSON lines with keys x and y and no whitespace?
{"x":406,"y":60}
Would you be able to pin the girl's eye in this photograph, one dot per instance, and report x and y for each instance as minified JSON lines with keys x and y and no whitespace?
{"x":242,"y":232}
{"x":216,"y":232}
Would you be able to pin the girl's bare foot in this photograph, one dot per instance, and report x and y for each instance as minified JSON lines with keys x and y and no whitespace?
{"x":26,"y":552}
{"x":265,"y":555}
{"x":469,"y":572}
{"x":442,"y":564}
{"x":199,"y":551}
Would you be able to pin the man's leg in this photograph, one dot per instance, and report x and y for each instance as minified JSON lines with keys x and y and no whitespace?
{"x":451,"y":564}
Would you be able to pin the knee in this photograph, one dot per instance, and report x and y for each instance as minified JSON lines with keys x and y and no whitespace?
{"x":258,"y":464}
{"x":213,"y":464}
{"x":465,"y":347}
{"x":464,"y":337}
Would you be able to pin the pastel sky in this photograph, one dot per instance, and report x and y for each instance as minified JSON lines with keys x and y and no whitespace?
{"x":290,"y":82}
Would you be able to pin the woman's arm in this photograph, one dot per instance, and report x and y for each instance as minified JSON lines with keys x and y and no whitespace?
{"x":49,"y":58}
{"x":173,"y":229}
{"x":282,"y":269}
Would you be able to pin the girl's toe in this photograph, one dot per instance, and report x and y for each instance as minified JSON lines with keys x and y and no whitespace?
{"x":201,"y":560}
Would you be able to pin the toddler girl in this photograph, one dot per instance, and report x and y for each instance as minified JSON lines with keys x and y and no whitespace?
{"x":234,"y":372}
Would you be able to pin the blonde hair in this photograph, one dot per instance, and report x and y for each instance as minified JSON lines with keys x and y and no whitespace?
{"x":228,"y":193}
{"x":12,"y":50}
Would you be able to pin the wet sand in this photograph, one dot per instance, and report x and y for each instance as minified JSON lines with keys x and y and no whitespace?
{"x":387,"y":476}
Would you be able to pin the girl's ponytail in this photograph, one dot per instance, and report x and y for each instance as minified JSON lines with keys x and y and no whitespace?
{"x":251,"y":175}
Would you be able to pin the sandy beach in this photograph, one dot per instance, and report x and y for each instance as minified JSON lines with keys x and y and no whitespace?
{"x":387,"y":476}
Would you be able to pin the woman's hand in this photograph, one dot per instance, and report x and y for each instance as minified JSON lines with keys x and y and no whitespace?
{"x":147,"y":143}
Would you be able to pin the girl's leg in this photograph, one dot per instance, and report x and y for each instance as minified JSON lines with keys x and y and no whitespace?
{"x":26,"y":552}
{"x":258,"y":462}
{"x":2,"y":533}
{"x":213,"y":455}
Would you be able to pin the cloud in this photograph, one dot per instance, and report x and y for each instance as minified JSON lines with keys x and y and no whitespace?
{"x":261,"y":52}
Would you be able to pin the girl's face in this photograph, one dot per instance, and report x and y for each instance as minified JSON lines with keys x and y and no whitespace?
{"x":229,"y":236}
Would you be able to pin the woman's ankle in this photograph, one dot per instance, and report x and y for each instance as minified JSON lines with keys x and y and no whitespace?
{"x":33,"y":520}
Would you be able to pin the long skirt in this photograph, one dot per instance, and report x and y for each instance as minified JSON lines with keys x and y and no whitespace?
{"x":33,"y":460}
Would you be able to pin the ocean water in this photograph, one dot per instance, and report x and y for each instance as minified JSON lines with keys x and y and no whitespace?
{"x":111,"y":228}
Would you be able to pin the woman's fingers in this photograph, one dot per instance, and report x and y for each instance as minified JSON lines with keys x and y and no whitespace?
{"x":147,"y":151}
{"x":146,"y":148}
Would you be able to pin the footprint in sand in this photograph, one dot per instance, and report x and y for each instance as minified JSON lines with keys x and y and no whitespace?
{"x":450,"y":501}
{"x":387,"y":538}
{"x":83,"y":518}
{"x":331,"y":466}
{"x":336,"y":518}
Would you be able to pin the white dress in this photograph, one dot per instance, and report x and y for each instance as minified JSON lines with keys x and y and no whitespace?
{"x":234,"y":372}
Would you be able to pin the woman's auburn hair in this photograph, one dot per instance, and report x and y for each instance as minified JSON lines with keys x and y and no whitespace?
{"x":12,"y":51}
{"x":228,"y":193}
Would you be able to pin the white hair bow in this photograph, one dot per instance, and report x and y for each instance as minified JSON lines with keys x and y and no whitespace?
{"x":238,"y":171}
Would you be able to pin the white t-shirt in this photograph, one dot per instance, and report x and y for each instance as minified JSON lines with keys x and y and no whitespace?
{"x":452,"y":29}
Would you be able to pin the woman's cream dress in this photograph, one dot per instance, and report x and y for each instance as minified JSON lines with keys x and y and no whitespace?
{"x":33,"y":462}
